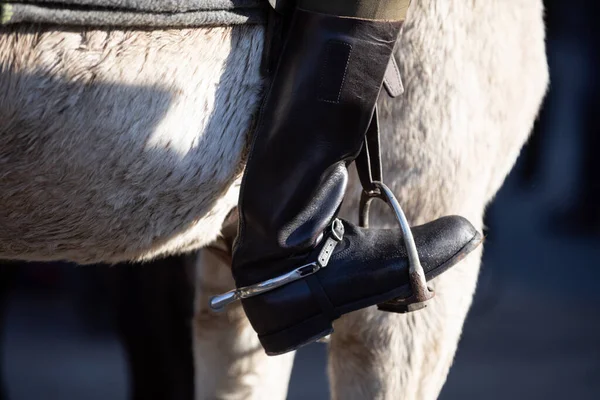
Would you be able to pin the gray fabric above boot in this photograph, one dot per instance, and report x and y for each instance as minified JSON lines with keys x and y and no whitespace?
{"x":135,"y":13}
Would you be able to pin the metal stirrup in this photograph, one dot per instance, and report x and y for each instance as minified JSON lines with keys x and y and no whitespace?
{"x":418,"y":283}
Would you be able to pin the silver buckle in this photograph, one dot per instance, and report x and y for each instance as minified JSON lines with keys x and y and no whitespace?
{"x":418,"y":283}
{"x":219,"y":302}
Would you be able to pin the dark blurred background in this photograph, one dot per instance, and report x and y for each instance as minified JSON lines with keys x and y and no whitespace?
{"x":75,"y":333}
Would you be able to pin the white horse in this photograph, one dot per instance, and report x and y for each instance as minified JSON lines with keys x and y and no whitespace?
{"x":129,"y":144}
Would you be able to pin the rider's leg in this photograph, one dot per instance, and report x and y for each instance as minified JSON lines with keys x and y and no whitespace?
{"x":313,"y":122}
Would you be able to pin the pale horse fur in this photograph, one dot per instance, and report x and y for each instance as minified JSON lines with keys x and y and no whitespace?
{"x":125,"y":145}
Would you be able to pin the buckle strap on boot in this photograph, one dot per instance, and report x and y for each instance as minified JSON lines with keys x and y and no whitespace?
{"x":335,"y":236}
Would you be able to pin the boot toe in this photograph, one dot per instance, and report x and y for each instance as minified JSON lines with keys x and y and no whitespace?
{"x":444,"y":242}
{"x":372,"y":265}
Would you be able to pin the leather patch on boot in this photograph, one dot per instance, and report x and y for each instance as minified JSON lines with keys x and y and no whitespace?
{"x":333,"y":71}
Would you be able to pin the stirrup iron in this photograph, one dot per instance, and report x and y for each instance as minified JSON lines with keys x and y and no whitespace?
{"x":420,"y":292}
{"x":370,"y":172}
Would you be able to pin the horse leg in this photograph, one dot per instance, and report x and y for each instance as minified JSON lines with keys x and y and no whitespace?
{"x":230,"y":363}
{"x":383,"y":356}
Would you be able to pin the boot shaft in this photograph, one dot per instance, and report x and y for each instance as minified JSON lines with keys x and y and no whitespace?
{"x":312,"y":123}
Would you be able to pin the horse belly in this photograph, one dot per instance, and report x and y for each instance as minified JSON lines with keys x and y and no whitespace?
{"x":121,"y":145}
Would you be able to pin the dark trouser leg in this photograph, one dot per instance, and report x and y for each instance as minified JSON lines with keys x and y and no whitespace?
{"x":8,"y":273}
{"x":154,"y":303}
{"x":318,"y":108}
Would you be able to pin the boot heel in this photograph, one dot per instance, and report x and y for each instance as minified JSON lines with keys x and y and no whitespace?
{"x":298,"y":335}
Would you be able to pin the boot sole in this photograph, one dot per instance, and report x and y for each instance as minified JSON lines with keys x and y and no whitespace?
{"x":319,"y":326}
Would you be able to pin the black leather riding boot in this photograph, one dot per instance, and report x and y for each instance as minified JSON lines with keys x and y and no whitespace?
{"x":296,"y":266}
